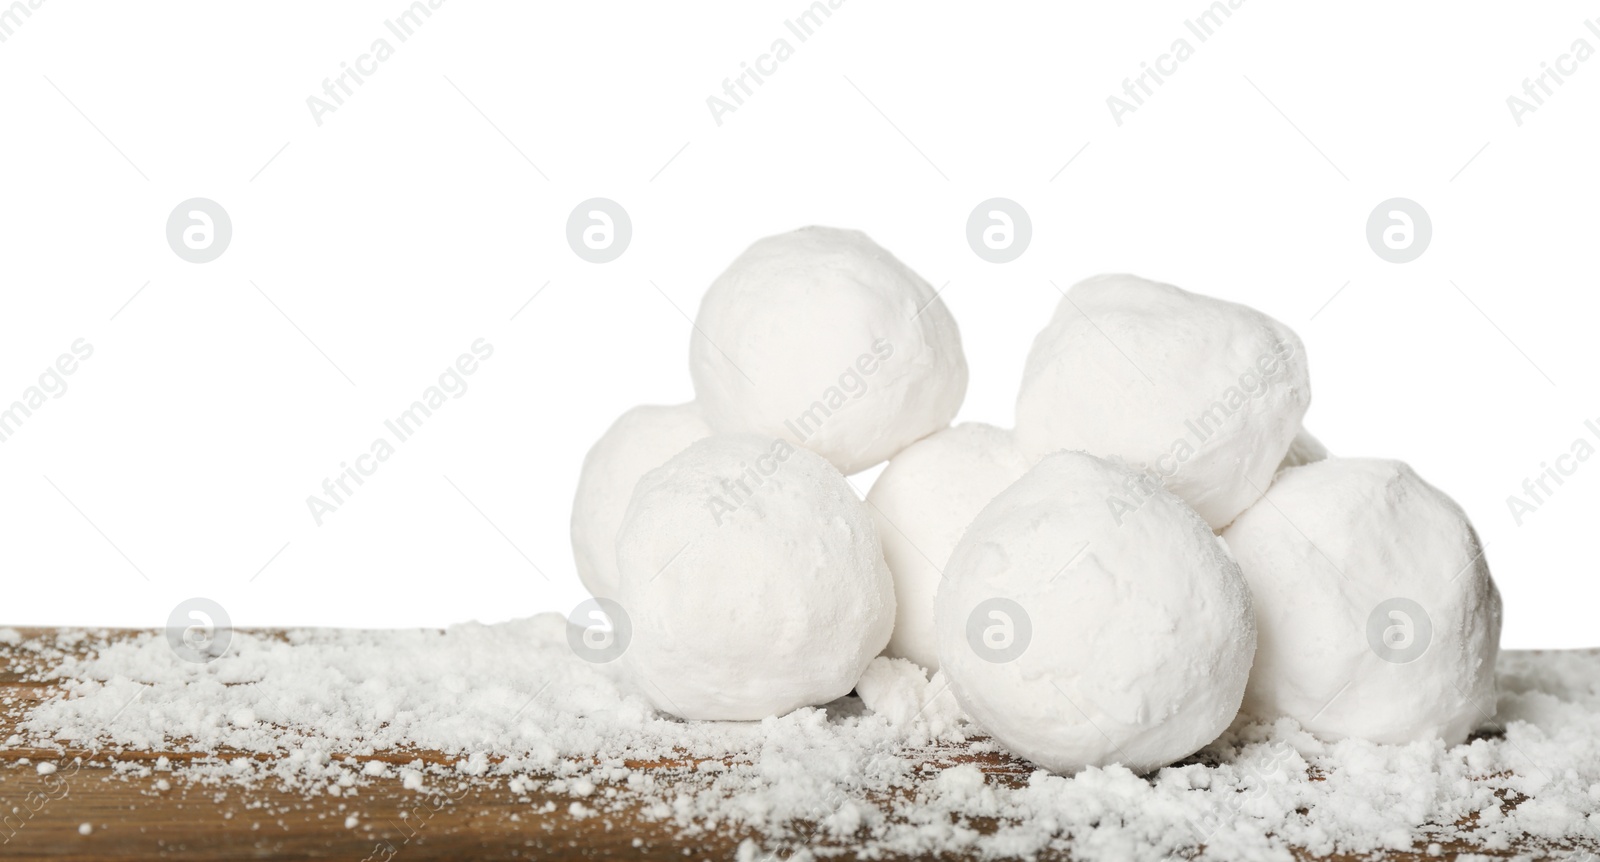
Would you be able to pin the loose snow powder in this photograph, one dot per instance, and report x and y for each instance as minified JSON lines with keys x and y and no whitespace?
{"x":511,"y":704}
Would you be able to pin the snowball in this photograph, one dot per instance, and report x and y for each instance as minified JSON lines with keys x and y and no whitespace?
{"x":1203,"y":394}
{"x":921,"y":503}
{"x":822,"y":337}
{"x":641,"y":439}
{"x":752,"y":579}
{"x":1304,"y":449}
{"x":1077,"y":640}
{"x":1377,"y":614}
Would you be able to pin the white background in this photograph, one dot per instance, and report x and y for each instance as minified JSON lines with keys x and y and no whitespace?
{"x":409,"y":224}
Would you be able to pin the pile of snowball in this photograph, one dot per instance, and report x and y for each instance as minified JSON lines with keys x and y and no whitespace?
{"x":1157,"y":548}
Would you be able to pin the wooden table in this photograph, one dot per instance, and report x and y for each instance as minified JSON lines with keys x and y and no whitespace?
{"x":191,"y":821}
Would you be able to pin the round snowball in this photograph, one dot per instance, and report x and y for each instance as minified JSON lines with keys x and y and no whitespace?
{"x":922,"y":502}
{"x":1377,"y":614}
{"x":822,"y":337}
{"x":641,"y":439}
{"x":752,"y":579}
{"x":1204,"y":395}
{"x":1076,"y":640}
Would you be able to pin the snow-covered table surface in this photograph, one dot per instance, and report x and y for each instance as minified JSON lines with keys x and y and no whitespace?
{"x":499,"y":742}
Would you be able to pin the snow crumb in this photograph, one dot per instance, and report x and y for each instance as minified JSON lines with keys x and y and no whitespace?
{"x":895,"y":771}
{"x":85,"y":828}
{"x":902,"y":694}
{"x":45,"y":768}
{"x":351,"y":822}
{"x":476,"y":764}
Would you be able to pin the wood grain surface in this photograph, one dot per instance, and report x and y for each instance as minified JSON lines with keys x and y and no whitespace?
{"x":132,"y":817}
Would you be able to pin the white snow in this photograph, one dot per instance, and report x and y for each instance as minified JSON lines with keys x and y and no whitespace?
{"x":1203,"y":394}
{"x":1078,"y":637}
{"x":820,"y":336}
{"x":641,"y":440}
{"x":516,"y":693}
{"x":921,"y":504}
{"x":1377,"y":614}
{"x":752,"y":581}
